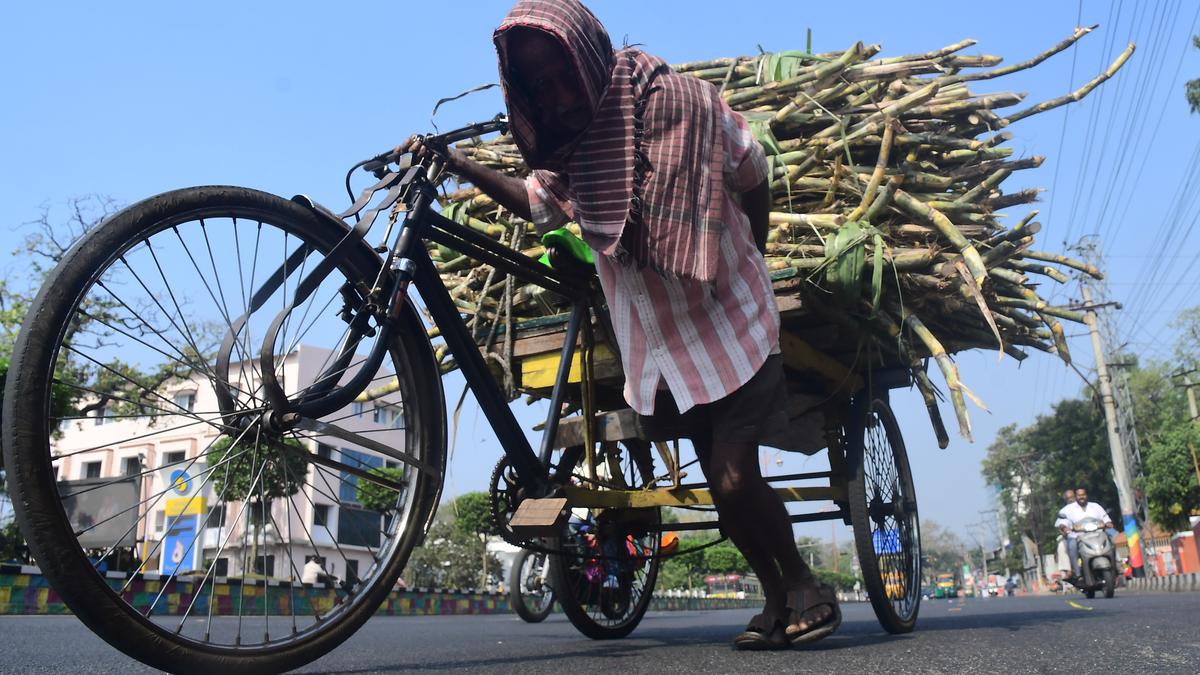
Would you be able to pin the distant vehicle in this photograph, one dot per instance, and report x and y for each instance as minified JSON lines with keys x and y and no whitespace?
{"x":733,"y":586}
{"x":1098,"y":559}
{"x":946,"y":586}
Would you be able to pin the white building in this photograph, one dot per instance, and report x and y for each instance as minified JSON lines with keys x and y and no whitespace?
{"x":323,"y":519}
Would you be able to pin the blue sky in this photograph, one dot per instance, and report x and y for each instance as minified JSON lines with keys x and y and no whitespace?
{"x":131,"y":99}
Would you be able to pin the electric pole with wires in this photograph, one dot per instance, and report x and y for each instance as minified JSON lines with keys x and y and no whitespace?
{"x":1113,"y":384}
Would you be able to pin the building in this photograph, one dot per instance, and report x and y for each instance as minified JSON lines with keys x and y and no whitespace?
{"x":180,"y":524}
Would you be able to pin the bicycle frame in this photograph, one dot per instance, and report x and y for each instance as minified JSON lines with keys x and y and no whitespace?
{"x":409,"y":264}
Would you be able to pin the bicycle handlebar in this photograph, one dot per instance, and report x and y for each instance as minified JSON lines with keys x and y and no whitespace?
{"x":499,"y":124}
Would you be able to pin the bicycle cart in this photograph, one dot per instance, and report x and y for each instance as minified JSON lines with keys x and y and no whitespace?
{"x":223,"y":452}
{"x":830,"y":407}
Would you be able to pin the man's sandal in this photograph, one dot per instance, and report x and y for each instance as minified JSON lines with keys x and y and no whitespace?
{"x":762,"y":634}
{"x":803,"y":600}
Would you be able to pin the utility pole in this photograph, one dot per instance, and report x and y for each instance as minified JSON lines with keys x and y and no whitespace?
{"x":1115,"y":444}
{"x":1191,"y":396}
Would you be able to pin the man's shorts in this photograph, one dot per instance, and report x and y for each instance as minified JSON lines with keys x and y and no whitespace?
{"x":745,"y":415}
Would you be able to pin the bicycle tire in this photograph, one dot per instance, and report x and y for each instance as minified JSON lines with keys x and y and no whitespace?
{"x":610,"y":613}
{"x":28,"y":442}
{"x":892,"y":577}
{"x":517,"y":583}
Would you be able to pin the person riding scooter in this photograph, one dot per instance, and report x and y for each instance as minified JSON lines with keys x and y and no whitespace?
{"x":1073,"y":518}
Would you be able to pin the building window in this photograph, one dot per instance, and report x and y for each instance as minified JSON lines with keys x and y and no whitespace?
{"x":131,"y":466}
{"x":358,"y":408}
{"x":324,"y":451}
{"x":347,"y":489}
{"x":91,"y":469}
{"x":186,"y":400}
{"x":216,"y":517}
{"x":352,"y":571}
{"x":103,"y":415}
{"x":320,"y":515}
{"x":160,"y":519}
{"x":358,"y":527}
{"x":381,"y":415}
{"x":265,"y":565}
{"x":174,"y":457}
{"x":220,"y":567}
{"x":260,"y":514}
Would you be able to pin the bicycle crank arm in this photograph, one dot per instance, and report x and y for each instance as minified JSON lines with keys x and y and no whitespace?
{"x":319,"y":427}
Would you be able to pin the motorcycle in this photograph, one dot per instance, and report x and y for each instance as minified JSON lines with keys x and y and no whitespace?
{"x":1097,"y":559}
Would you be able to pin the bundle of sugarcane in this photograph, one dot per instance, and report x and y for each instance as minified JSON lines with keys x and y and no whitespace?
{"x":886,"y":179}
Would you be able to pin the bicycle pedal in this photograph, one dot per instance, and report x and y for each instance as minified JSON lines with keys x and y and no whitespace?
{"x":540,"y":517}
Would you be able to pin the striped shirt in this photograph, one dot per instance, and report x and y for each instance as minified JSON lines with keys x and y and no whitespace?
{"x":701,"y":340}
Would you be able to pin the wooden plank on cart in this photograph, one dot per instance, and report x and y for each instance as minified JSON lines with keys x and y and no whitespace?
{"x":618,"y":425}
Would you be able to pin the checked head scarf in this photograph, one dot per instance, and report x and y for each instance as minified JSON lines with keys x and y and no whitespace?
{"x":646,"y":174}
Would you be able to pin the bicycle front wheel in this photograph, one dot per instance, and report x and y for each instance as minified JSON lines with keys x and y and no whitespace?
{"x":167,"y":510}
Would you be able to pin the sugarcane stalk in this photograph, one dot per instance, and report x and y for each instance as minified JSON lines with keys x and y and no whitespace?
{"x":1079,"y":32}
{"x":947,"y":229}
{"x":925,"y":386}
{"x":885,"y":147}
{"x":1045,"y":270}
{"x":949,"y":369}
{"x":1079,"y":93}
{"x":1063,"y":260}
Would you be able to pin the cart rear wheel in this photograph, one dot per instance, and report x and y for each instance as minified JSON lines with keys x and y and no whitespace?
{"x":883,"y":509}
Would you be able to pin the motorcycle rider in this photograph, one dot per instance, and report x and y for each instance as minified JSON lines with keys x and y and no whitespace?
{"x":1073,"y":513}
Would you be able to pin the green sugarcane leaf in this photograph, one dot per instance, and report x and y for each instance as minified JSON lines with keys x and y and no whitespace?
{"x":846,"y":257}
{"x":877,"y":274}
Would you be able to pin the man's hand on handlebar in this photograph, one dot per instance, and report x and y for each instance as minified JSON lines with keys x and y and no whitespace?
{"x":422,"y":152}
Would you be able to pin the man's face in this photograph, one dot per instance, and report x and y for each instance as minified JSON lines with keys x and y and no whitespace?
{"x":547,"y":77}
{"x":1081,"y":496}
{"x":1068,"y":496}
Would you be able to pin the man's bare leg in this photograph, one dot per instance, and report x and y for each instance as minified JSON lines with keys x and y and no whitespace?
{"x":756,"y":521}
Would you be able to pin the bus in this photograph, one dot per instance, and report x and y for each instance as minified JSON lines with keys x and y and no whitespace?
{"x":733,"y":586}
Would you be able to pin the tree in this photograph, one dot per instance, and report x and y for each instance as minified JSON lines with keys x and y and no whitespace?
{"x":1166,"y":432}
{"x":812,"y":550}
{"x":450,"y":557}
{"x":81,"y":386}
{"x":473,"y":517}
{"x":1193,"y":86}
{"x":941,"y":548}
{"x":12,"y":544}
{"x":1170,"y":482}
{"x":1033,"y":465}
{"x":686,"y":570}
{"x":378,"y":497}
{"x":725,"y":558}
{"x":257,"y":471}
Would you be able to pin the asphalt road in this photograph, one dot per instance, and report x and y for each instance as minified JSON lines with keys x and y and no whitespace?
{"x":1157,"y":633}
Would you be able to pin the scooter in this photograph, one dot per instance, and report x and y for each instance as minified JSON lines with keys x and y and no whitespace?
{"x":1097,"y":557}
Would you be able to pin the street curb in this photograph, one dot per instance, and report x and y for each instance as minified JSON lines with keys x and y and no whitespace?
{"x":23,"y":590}
{"x":1175,"y":583}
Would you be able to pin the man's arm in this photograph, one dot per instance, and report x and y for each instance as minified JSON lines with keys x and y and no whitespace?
{"x":508,"y":191}
{"x":757,"y":204}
